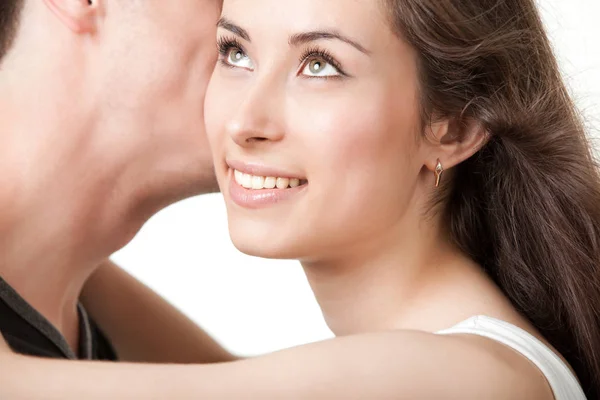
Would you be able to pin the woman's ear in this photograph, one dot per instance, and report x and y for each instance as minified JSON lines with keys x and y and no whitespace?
{"x":78,"y":15}
{"x":453,"y":141}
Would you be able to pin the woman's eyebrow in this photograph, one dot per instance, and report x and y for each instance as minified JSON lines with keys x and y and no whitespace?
{"x":297,"y":38}
{"x":233,"y":28}
{"x":327,"y":34}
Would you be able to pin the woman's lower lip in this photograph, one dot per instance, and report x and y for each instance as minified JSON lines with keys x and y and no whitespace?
{"x":262,"y":198}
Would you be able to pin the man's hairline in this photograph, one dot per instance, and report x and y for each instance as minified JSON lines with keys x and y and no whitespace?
{"x":11,"y":33}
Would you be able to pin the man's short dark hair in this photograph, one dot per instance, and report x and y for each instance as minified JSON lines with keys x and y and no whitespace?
{"x":10,"y":11}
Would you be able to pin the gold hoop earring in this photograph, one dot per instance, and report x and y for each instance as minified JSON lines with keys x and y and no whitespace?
{"x":439,"y":169}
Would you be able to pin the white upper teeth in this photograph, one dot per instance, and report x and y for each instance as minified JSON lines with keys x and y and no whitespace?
{"x":262,"y":182}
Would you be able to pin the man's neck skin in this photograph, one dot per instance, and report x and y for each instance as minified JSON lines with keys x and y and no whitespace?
{"x":53,"y":230}
{"x":60,"y":212}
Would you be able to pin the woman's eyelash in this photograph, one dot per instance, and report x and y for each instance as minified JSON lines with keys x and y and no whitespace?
{"x":315,"y":52}
{"x":224,"y":44}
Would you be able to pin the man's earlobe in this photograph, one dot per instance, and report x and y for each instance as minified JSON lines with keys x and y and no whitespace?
{"x":77,"y":15}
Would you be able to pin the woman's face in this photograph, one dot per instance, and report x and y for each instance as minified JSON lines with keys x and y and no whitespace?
{"x":313,"y":119}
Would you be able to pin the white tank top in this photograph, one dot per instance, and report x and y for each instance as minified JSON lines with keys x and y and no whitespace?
{"x":562,"y":381}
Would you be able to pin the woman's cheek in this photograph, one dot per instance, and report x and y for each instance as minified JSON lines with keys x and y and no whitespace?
{"x":340,"y":131}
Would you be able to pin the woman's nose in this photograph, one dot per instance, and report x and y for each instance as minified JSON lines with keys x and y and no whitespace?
{"x":259,"y":117}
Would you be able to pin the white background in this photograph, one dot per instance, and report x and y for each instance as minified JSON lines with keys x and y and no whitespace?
{"x":254,"y":306}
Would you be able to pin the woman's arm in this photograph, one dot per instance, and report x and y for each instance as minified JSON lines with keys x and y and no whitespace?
{"x":143,"y":326}
{"x":385,"y":365}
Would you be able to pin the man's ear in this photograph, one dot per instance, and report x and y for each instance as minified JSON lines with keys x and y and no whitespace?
{"x":78,"y":15}
{"x":454,"y":141}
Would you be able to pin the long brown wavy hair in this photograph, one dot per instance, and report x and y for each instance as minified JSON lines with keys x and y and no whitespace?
{"x":527,"y":206}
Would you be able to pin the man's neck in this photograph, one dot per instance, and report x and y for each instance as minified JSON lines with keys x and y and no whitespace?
{"x":47,"y":267}
{"x":55,"y":225}
{"x":64,"y":204}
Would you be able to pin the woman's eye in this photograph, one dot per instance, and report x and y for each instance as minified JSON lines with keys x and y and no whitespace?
{"x":317,"y":67}
{"x":236,"y":57}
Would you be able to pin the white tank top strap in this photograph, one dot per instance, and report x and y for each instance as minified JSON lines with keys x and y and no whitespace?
{"x":563,"y":382}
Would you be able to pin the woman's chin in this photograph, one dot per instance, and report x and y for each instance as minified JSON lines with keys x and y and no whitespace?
{"x":269,"y":237}
{"x":255,"y":248}
{"x":252,"y":243}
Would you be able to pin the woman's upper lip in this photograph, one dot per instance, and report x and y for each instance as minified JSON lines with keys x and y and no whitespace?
{"x":260,"y":169}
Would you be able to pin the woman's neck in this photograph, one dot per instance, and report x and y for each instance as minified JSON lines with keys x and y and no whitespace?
{"x":378,"y":285}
